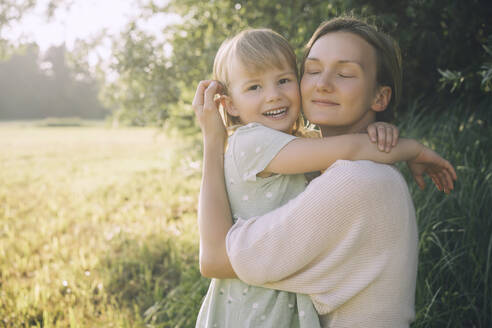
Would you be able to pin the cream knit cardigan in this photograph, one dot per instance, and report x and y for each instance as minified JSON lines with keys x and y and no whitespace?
{"x":349,"y":241}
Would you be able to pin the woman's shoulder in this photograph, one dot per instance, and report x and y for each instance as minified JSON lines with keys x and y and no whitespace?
{"x":364,"y":172}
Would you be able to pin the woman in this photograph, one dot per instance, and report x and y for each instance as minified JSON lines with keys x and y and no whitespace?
{"x":350,"y":239}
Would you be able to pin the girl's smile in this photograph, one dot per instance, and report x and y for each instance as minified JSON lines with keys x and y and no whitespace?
{"x":277,"y":113}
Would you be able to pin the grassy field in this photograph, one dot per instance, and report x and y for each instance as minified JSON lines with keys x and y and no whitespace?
{"x":98,"y":227}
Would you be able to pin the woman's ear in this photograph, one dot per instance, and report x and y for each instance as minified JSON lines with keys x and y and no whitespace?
{"x":382,"y":99}
{"x":226,"y":102}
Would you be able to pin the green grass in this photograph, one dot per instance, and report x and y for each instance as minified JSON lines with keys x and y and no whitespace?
{"x":98,"y":226}
{"x":454,"y":287}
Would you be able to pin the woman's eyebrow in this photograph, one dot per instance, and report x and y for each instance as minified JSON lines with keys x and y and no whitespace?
{"x":340,"y":61}
{"x":347,"y":61}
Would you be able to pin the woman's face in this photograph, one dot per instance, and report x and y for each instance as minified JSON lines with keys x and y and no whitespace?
{"x":339,"y":86}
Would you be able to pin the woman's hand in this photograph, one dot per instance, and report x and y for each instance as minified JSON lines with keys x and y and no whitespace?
{"x":439,"y":170}
{"x":385,"y":134}
{"x":207,"y":112}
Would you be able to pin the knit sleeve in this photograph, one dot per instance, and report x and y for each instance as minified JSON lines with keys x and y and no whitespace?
{"x":253,"y":147}
{"x":318,"y":241}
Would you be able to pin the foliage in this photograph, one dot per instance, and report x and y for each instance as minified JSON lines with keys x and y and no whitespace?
{"x":28,"y":91}
{"x":446,"y":49}
{"x":443,"y":47}
{"x":486,"y":69}
{"x":146,"y":84}
{"x":194,"y":43}
{"x":435,"y":36}
{"x":455,"y":248}
{"x":10,"y":11}
{"x":13,"y":10}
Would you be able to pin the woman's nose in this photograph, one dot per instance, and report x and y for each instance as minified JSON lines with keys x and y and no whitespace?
{"x":325,"y":83}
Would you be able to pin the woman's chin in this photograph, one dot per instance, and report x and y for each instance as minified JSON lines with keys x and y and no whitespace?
{"x":321,"y":119}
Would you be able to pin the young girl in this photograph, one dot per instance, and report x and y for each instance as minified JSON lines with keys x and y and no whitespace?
{"x":264,"y":165}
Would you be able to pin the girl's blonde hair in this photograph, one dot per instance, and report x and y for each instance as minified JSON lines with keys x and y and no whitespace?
{"x":258,"y":50}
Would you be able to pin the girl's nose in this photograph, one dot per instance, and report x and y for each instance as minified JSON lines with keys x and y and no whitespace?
{"x":325,"y":83}
{"x":273,"y":94}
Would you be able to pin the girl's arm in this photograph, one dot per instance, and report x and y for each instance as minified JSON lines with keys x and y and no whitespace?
{"x":306,"y":155}
{"x":214,"y":214}
{"x":384,"y":134}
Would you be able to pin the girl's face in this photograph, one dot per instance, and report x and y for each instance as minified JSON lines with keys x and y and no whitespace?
{"x":339,"y":83}
{"x":269,"y":97}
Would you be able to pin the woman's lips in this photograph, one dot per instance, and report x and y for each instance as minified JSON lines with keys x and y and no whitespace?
{"x":323,"y":102}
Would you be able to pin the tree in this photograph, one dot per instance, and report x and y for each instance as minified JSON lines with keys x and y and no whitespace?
{"x":13,"y":10}
{"x":27,"y":92}
{"x":444,"y":49}
{"x":447,"y":49}
{"x":143,"y":67}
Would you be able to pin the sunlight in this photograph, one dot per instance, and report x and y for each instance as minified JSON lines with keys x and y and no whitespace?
{"x":84,"y":19}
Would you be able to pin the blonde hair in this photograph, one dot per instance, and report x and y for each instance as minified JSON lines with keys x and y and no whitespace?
{"x":258,"y":50}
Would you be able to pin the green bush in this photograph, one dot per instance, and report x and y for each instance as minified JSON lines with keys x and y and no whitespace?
{"x":444,"y":45}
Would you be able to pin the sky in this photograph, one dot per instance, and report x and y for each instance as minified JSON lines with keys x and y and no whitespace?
{"x":84,"y":19}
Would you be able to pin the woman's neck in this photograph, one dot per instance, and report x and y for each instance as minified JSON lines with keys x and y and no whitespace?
{"x":359,"y":126}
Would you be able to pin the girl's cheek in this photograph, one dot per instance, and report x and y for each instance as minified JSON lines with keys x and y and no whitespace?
{"x":292,"y":88}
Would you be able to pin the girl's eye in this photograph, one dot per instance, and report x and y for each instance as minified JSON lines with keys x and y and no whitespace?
{"x":283,"y":81}
{"x":313,"y":72}
{"x":254,"y":87}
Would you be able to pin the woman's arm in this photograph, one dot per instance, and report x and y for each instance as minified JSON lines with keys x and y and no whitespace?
{"x":214,"y":214}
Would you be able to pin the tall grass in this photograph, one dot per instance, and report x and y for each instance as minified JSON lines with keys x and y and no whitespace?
{"x":98,"y":227}
{"x":454,"y":287}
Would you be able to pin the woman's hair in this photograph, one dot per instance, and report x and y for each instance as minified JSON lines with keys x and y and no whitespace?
{"x":258,"y":50}
{"x":388,"y":56}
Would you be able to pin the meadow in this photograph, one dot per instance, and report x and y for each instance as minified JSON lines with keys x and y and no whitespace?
{"x":98,"y":226}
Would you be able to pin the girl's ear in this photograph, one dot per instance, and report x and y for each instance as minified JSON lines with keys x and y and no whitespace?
{"x":226,"y":102}
{"x":382,"y":99}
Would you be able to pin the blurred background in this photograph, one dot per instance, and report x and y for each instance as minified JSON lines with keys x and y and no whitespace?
{"x":100,"y":154}
{"x":139,"y":61}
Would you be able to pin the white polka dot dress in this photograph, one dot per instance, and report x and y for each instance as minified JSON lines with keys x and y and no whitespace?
{"x":230,"y":302}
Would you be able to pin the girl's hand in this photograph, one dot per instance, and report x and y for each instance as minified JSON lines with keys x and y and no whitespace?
{"x":385,"y":134}
{"x":207,"y":112}
{"x":439,"y":170}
